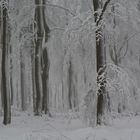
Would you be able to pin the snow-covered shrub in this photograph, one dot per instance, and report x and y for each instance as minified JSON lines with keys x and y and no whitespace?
{"x":123,"y":94}
{"x":121,"y":97}
{"x":122,"y":90}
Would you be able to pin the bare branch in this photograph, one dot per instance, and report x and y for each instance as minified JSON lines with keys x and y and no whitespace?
{"x":58,"y":6}
{"x":130,"y":37}
{"x":103,"y":11}
{"x":57,"y":28}
{"x":133,"y":35}
{"x":112,"y":53}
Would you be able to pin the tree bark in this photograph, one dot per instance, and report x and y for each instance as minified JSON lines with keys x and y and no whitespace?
{"x":40,"y":81}
{"x":23,"y":96}
{"x":5,"y":91}
{"x":45,"y":76}
{"x":100,"y":62}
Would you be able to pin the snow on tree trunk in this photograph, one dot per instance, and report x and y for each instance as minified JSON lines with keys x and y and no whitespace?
{"x":100,"y":58}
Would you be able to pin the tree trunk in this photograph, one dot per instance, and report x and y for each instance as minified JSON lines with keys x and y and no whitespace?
{"x":70,"y":84}
{"x":41,"y":82}
{"x":45,"y":76}
{"x":23,"y":96}
{"x":72,"y":92}
{"x":11,"y":80}
{"x":100,"y":62}
{"x":5,"y":91}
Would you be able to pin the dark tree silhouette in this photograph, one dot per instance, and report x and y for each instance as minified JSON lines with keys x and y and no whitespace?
{"x":5,"y":45}
{"x":41,"y":80}
{"x":100,"y":58}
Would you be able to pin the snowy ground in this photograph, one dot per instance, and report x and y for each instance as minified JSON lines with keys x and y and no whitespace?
{"x":42,"y":128}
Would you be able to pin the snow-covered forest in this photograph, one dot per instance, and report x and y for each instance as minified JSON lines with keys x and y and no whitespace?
{"x":70,"y":69}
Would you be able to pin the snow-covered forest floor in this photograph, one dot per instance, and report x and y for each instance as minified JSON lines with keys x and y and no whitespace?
{"x":27,"y":127}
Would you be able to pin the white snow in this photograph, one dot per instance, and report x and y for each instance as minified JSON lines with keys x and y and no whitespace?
{"x":44,"y":128}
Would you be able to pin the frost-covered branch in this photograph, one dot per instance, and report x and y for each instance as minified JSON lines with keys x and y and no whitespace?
{"x":102,"y":13}
{"x":130,"y":37}
{"x":61,"y":7}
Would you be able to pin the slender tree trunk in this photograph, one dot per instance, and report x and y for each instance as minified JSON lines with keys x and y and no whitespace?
{"x":38,"y":82}
{"x":11,"y":80}
{"x":23,"y":98}
{"x":33,"y":81}
{"x":5,"y":91}
{"x":70,"y":84}
{"x":45,"y":76}
{"x":42,"y":31}
{"x":72,"y":91}
{"x":100,"y":62}
{"x":45,"y":66}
